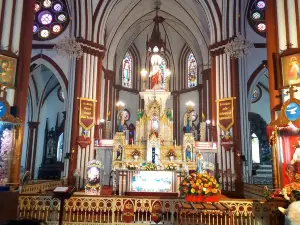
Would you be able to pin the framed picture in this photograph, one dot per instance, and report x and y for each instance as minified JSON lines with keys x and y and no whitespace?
{"x":8,"y":68}
{"x":287,"y":68}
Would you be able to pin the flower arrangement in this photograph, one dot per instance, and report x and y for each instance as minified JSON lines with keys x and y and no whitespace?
{"x":171,"y":166}
{"x":202,"y":186}
{"x":150,"y":166}
{"x":131,"y":166}
{"x":171,"y":152}
{"x":136,"y":153}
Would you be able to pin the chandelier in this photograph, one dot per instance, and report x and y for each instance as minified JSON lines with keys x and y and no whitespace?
{"x":68,"y":47}
{"x":238,"y":47}
{"x":156,"y":43}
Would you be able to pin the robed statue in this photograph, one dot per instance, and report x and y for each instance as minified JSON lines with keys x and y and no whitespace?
{"x":140,"y":114}
{"x":120,"y":122}
{"x":188,"y":122}
{"x":119,"y":153}
{"x":156,"y":78}
{"x":199,"y":163}
{"x":169,"y":114}
{"x":188,"y":153}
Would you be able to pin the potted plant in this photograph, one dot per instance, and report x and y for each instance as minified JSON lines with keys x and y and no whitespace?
{"x":136,"y":154}
{"x":171,"y":154}
{"x":200,"y":188}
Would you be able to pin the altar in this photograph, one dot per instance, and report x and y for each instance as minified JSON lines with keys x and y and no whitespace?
{"x":153,"y":162}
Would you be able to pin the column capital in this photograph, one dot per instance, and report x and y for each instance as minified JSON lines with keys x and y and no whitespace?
{"x":33,"y":124}
{"x":92,"y":47}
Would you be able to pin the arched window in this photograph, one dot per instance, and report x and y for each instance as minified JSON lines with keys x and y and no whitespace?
{"x":127,"y":71}
{"x":51,"y":19}
{"x":257,"y":16}
{"x":192,"y":71}
{"x":255,"y":149}
{"x":159,"y":66}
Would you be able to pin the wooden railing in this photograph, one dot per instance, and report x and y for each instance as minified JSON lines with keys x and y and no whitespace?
{"x":40,"y":187}
{"x":83,"y":210}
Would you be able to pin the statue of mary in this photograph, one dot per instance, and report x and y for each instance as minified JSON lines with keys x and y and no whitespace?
{"x":199,"y":163}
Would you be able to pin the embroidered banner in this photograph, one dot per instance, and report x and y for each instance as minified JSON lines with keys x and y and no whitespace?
{"x":87,"y":113}
{"x":225,"y":114}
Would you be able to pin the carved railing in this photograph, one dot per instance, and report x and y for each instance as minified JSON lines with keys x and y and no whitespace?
{"x":40,"y":187}
{"x":125,"y":210}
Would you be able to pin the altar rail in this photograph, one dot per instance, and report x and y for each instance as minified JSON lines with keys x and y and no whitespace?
{"x":40,"y":187}
{"x":83,"y":210}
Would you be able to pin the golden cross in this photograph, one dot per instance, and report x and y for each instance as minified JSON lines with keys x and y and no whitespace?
{"x":291,"y":91}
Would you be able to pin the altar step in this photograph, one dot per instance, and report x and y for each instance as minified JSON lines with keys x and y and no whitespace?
{"x":156,"y":194}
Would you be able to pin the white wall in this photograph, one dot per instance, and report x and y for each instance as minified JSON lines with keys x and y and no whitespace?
{"x":131,"y":104}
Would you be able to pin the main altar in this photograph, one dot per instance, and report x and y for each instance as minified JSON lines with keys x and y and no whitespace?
{"x":153,"y":163}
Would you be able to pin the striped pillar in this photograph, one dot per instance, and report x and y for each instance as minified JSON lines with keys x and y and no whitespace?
{"x":87,"y":84}
{"x":16,"y":22}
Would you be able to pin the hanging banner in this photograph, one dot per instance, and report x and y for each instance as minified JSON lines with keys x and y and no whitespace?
{"x":225,"y":114}
{"x":87,"y":113}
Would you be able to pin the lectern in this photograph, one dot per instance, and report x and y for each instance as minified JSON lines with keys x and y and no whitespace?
{"x":62,"y":193}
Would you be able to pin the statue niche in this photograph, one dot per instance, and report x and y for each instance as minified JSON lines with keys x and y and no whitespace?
{"x":52,"y":164}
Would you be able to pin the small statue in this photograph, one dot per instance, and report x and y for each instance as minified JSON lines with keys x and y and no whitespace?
{"x":120,"y":121}
{"x":199,"y":163}
{"x":140,"y":114}
{"x":188,"y":153}
{"x":119,"y":153}
{"x":188,"y":122}
{"x":169,"y":114}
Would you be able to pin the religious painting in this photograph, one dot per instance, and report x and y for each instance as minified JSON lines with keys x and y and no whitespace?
{"x":256,"y":94}
{"x":192,"y":71}
{"x":127,"y":71}
{"x":8,"y":67}
{"x":290,"y":69}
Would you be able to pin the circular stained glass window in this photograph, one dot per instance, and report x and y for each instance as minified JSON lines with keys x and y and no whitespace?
{"x":51,"y":19}
{"x":256,"y":16}
{"x":44,"y":33}
{"x":37,"y":7}
{"x":45,"y":18}
{"x":256,"y":94}
{"x":47,"y":3}
{"x":35,"y":28}
{"x":261,"y":26}
{"x":261,"y":4}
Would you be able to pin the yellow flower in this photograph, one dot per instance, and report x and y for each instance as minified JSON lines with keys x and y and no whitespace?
{"x":214,"y":191}
{"x":206,"y":185}
{"x":193,"y":190}
{"x":197,"y":184}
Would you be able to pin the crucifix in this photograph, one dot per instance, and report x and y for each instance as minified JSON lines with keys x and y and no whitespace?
{"x":291,"y":91}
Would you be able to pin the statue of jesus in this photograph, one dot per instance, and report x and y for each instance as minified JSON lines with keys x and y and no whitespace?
{"x":156,"y":78}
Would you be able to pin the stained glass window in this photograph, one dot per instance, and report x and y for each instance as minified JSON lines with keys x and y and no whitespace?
{"x":192,"y":71}
{"x":127,"y":71}
{"x":256,"y":94}
{"x":256,"y":16}
{"x":51,"y":19}
{"x":255,"y":149}
{"x":159,"y":66}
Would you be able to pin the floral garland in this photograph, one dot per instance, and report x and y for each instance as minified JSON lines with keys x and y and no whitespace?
{"x":131,"y":166}
{"x":150,"y":166}
{"x":200,"y":184}
{"x":136,"y":153}
{"x":171,"y":152}
{"x":171,"y":166}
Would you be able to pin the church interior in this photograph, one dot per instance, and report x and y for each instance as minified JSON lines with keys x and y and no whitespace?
{"x":149,"y":111}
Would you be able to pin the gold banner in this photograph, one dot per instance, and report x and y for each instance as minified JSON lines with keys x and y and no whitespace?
{"x":87,"y":113}
{"x":225,"y":112}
